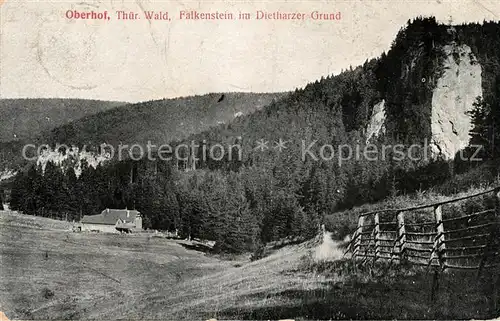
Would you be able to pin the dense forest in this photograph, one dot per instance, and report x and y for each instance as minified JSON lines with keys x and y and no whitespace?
{"x":159,"y":121}
{"x":82,"y":123}
{"x":269,"y":194}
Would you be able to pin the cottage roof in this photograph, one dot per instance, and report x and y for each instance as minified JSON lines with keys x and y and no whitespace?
{"x":110,"y":216}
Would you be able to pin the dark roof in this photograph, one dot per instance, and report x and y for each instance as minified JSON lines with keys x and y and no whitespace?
{"x":110,"y":216}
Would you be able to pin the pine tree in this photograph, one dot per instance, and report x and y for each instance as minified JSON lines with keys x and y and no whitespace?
{"x":74,"y":194}
{"x":485,"y":119}
{"x":56,"y":197}
{"x":18,"y":197}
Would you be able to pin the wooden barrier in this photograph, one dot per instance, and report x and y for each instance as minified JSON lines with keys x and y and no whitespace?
{"x":401,"y":235}
{"x":440,"y":243}
{"x":468,"y":241}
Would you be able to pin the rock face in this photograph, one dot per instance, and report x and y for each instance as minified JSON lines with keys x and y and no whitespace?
{"x":376,"y":126}
{"x":73,"y":158}
{"x":6,"y":174}
{"x":455,"y":92}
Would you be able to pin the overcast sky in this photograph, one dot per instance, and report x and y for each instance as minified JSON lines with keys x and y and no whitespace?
{"x":43,"y":54}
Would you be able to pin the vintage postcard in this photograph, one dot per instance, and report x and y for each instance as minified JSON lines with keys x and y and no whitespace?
{"x":249,"y":160}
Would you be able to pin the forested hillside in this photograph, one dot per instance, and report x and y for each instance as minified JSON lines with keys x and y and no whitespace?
{"x":272,"y":192}
{"x":159,"y":121}
{"x":27,"y":118}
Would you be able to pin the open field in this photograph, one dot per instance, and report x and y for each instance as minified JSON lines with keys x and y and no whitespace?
{"x":49,"y":272}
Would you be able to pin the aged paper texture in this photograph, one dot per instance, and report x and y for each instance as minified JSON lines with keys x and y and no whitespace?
{"x":249,"y":160}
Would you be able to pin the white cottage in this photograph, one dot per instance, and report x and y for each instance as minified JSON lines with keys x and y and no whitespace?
{"x":113,"y":221}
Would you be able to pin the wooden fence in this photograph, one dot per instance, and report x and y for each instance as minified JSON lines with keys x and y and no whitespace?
{"x":428,"y":235}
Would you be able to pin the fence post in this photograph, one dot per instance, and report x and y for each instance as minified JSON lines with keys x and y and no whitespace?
{"x":401,"y":236}
{"x":358,"y":235}
{"x":497,"y":211}
{"x":440,"y":245}
{"x":377,"y":236}
{"x":494,"y":245}
{"x":493,"y":233}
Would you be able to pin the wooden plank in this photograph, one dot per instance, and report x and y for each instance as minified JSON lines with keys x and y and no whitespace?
{"x":366,"y":255}
{"x":465,"y":248}
{"x":377,"y":235}
{"x":461,"y":267}
{"x":359,"y":232}
{"x":470,"y":228}
{"x":470,"y":237}
{"x":382,"y":239}
{"x":463,"y":256}
{"x":420,"y":242}
{"x":388,"y":231}
{"x":388,"y":224}
{"x":401,"y":235}
{"x":417,"y":250}
{"x":421,"y":233}
{"x":468,"y":216}
{"x":385,"y":252}
{"x":421,"y":224}
{"x":440,"y":241}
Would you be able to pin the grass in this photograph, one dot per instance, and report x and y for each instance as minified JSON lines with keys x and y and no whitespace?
{"x":49,"y":272}
{"x":384,"y":291}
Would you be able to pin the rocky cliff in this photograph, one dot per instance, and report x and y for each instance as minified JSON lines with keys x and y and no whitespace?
{"x":376,"y":125}
{"x":452,"y":99}
{"x":73,"y":158}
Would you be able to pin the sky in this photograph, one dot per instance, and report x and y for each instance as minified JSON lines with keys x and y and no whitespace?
{"x":45,"y":55}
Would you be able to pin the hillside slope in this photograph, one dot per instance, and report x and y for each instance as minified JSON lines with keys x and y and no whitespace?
{"x":26,"y":118}
{"x":160,"y":121}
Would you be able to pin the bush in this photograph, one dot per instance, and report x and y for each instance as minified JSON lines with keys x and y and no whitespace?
{"x":47,"y":293}
{"x":476,"y":177}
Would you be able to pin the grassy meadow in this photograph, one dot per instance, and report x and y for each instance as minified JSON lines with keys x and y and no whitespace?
{"x":49,"y":272}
